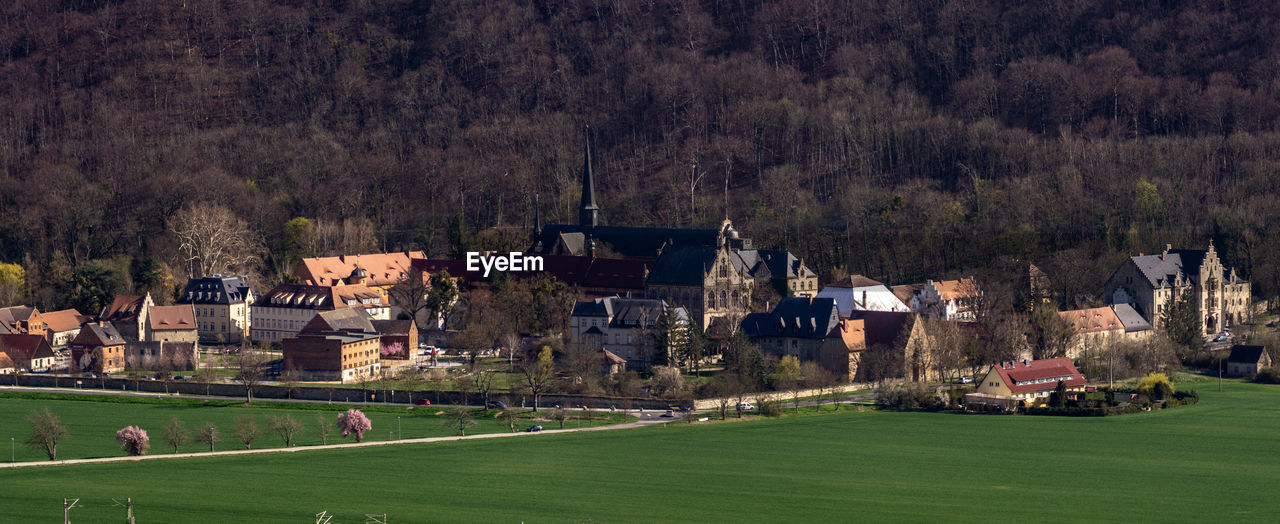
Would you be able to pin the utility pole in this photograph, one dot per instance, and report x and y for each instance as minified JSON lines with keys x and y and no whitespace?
{"x":128,"y":505}
{"x":66,"y":509}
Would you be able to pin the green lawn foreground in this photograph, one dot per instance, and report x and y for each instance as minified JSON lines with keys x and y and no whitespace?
{"x":92,"y":422}
{"x":1212,"y":461}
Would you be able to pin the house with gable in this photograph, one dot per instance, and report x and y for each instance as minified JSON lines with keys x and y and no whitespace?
{"x":63,"y":326}
{"x":98,"y":348}
{"x":623,"y":327}
{"x":376,"y":271}
{"x":222,"y":308}
{"x":704,"y":281}
{"x":1247,"y":361}
{"x":811,"y":330}
{"x":896,"y":345}
{"x":784,"y":271}
{"x":28,"y":352}
{"x":1150,"y":284}
{"x":128,"y":314}
{"x":282,"y":312}
{"x":1099,"y":327}
{"x":340,"y":345}
{"x":1028,"y":380}
{"x":21,"y":320}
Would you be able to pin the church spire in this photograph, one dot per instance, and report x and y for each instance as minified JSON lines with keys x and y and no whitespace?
{"x":588,"y":212}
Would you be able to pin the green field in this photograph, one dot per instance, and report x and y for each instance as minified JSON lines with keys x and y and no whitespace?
{"x":1214,"y":461}
{"x":92,"y":423}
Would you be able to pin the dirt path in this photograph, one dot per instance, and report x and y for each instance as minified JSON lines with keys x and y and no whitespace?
{"x":637,"y":424}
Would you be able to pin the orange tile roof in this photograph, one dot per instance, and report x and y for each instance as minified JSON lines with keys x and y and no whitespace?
{"x":852,"y":332}
{"x":382,"y":269}
{"x":170,"y":318}
{"x":954,"y":289}
{"x":64,"y":320}
{"x":1092,"y":320}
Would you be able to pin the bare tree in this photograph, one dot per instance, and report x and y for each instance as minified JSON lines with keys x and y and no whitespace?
{"x":483,"y":382}
{"x":213,"y":240}
{"x":410,"y":295}
{"x":176,"y":434}
{"x":246,"y":430}
{"x":251,"y":370}
{"x":324,"y":428}
{"x":510,"y":416}
{"x":286,"y":426}
{"x":538,"y":372}
{"x":559,"y":415}
{"x":46,"y":431}
{"x":208,"y":434}
{"x":460,"y":419}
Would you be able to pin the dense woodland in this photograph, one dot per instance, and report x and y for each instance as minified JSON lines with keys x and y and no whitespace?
{"x":900,"y":139}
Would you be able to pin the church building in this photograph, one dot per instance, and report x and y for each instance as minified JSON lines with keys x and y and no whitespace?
{"x":1150,"y":283}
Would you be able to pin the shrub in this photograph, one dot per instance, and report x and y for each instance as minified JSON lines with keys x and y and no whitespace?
{"x":353,"y":422}
{"x":1156,"y":386}
{"x":133,"y":440}
{"x":909,"y":396}
{"x":1268,"y":376}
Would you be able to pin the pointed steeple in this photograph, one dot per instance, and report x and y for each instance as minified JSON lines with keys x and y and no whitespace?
{"x":588,"y":212}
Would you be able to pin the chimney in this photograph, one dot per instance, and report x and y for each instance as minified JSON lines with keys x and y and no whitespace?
{"x":864,"y":298}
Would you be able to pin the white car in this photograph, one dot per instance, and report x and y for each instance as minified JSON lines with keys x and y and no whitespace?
{"x":966,"y":380}
{"x":745,"y":406}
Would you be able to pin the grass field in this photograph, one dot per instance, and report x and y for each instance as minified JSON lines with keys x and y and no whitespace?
{"x":92,"y":423}
{"x":1214,"y":461}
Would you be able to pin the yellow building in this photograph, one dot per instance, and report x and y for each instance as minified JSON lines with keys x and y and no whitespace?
{"x":1028,"y":380}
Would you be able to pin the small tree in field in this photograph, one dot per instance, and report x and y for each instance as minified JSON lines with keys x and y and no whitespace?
{"x":1156,"y":386}
{"x":176,"y":434}
{"x":559,"y":415}
{"x":511,"y":416}
{"x":459,"y":419}
{"x":208,"y":434}
{"x":286,"y":426}
{"x":323,"y":429}
{"x":46,"y":431}
{"x":133,"y":440}
{"x":246,"y":431}
{"x":353,"y":422}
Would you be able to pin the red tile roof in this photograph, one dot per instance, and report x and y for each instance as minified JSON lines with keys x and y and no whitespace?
{"x":171,"y":318}
{"x":25,"y":347}
{"x":1092,"y":320}
{"x":381,"y":269}
{"x":1039,"y":375}
{"x":64,"y":320}
{"x":124,"y":307}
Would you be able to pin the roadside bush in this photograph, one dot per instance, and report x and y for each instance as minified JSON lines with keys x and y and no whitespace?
{"x":769,"y":408}
{"x":907,"y":397}
{"x":1156,"y":386}
{"x":1268,"y":376}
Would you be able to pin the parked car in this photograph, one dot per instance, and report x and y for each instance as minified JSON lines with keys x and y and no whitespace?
{"x":668,"y":414}
{"x":495,"y":404}
{"x":745,"y":406}
{"x":423,"y":402}
{"x":1221,"y":337}
{"x":533,"y":429}
{"x":966,"y":380}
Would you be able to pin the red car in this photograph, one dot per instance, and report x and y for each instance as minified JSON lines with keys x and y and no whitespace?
{"x":423,"y":402}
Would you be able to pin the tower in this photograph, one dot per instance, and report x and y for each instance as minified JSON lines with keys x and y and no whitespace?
{"x":588,"y":212}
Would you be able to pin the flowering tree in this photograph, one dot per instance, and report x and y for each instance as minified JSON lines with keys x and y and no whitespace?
{"x":394,"y":349}
{"x":354,"y":422}
{"x":133,"y":440}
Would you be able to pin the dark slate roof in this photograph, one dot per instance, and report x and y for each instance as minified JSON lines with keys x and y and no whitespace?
{"x":625,"y":312}
{"x":1246,"y":354}
{"x":1162,"y":268}
{"x":349,"y":320}
{"x":215,"y":290}
{"x":796,"y":317}
{"x":1131,"y":319}
{"x":12,"y":315}
{"x":94,"y":335}
{"x":684,"y":265}
{"x":634,"y":242}
{"x":777,"y":263}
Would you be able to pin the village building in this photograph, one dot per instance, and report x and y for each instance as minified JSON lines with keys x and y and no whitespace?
{"x":900,"y":341}
{"x":625,"y":327}
{"x":378,"y":271}
{"x":811,"y":330}
{"x":944,"y":299}
{"x":779,"y":268}
{"x":6,"y":364}
{"x":21,"y":320}
{"x":1028,"y":380}
{"x":98,"y":348}
{"x":340,"y":345}
{"x":859,"y":293}
{"x":1247,"y":361}
{"x":591,"y":277}
{"x":704,"y":281}
{"x":1100,"y":327}
{"x":399,"y":338}
{"x":1150,"y":283}
{"x":62,"y":326}
{"x":28,"y":352}
{"x":128,"y":314}
{"x":282,"y":312}
{"x":222,"y":308}
{"x":172,"y":324}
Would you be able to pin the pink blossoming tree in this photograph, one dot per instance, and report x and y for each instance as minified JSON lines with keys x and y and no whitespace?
{"x":353,"y":422}
{"x":133,"y":440}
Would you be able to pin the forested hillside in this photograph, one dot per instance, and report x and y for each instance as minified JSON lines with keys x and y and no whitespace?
{"x":901,"y":139}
